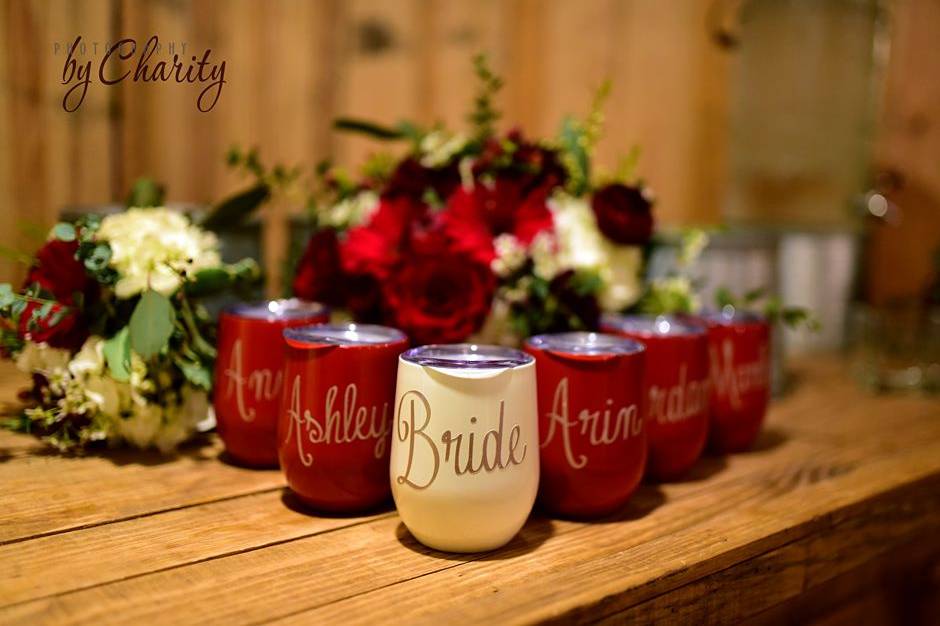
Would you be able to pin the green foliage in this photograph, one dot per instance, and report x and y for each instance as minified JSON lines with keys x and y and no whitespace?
{"x":668,"y":296}
{"x":151,"y":324}
{"x":146,"y":192}
{"x":578,"y":138}
{"x":758,"y":300}
{"x":234,"y":210}
{"x":218,"y":279}
{"x":117,"y":354}
{"x":63,"y":231}
{"x":484,"y":115}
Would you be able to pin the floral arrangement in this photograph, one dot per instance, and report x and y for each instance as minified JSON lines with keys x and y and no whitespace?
{"x":481,"y":235}
{"x":109,"y":325}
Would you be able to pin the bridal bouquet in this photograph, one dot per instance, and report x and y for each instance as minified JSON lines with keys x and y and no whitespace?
{"x":481,"y":235}
{"x":108,"y":324}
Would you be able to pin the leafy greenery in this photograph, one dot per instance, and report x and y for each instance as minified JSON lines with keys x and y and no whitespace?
{"x":484,"y":115}
{"x":117,"y":354}
{"x":151,"y":324}
{"x":578,"y":139}
{"x":770,"y":307}
{"x":146,"y":192}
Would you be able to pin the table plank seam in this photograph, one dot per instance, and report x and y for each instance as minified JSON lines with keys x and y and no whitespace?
{"x":61,"y":531}
{"x":207,"y":559}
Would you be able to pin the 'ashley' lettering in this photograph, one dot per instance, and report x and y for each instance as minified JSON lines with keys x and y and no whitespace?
{"x":495,"y":452}
{"x":603,"y":427}
{"x":260,"y":384}
{"x":679,"y":402}
{"x":353,"y":423}
{"x":730,"y":381}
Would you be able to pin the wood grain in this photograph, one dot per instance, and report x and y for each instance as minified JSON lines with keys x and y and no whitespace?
{"x":831,"y":488}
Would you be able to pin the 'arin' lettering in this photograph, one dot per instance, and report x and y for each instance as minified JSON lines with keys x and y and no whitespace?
{"x":602,"y":427}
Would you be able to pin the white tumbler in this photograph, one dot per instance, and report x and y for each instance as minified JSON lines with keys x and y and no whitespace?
{"x":465,"y":453}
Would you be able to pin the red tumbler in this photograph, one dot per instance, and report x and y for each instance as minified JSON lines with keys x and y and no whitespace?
{"x":590,"y":399}
{"x":247,"y":390}
{"x":739,"y":349}
{"x":336,"y":415}
{"x":676,"y":388}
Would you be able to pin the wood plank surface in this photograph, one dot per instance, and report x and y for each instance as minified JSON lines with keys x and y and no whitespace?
{"x":839,"y":481}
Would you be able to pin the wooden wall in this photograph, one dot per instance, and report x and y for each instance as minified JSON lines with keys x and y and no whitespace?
{"x":293,"y":65}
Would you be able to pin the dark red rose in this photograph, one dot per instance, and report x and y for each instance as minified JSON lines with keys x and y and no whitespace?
{"x":412,"y":180}
{"x":60,"y":327}
{"x":58,"y":272}
{"x":442,"y":298}
{"x":530,"y":166}
{"x":319,"y":273}
{"x":575,"y":302}
{"x":623,"y":214}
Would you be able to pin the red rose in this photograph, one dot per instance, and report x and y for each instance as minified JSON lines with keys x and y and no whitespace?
{"x":473,"y":218}
{"x":65,"y":332}
{"x":374,"y":248}
{"x":442,"y":298}
{"x":57,"y":271}
{"x":319,"y":273}
{"x":623,"y":214}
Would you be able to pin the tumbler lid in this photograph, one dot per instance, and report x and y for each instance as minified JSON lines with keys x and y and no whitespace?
{"x":342,"y":335}
{"x":651,"y":326}
{"x":467,"y":356}
{"x":732,"y":315}
{"x":292,"y":308}
{"x":585,"y":344}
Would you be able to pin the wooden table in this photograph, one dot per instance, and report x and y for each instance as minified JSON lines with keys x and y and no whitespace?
{"x":835,"y":515}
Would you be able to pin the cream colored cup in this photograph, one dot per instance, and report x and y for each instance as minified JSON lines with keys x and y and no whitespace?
{"x":465,"y":454}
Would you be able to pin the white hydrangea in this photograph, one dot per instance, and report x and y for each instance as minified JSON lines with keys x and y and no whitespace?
{"x":580,"y":245}
{"x":152,"y":247}
{"x":351,"y":211}
{"x":438,"y":147}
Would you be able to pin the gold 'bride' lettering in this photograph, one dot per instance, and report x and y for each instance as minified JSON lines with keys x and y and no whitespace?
{"x":495,"y":452}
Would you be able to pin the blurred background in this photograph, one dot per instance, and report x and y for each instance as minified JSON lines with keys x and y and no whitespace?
{"x":808,"y":130}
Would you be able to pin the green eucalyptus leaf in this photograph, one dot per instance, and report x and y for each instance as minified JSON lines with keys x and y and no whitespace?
{"x":207,"y":281}
{"x":151,"y":324}
{"x":117,"y":353}
{"x":232,"y":211}
{"x":376,"y":131}
{"x":7,"y":297}
{"x":63,"y":231}
{"x":99,"y":257}
{"x":196,"y":373}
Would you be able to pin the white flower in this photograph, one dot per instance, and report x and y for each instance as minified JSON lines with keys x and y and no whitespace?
{"x":150,"y":248}
{"x":582,"y":246}
{"x":438,"y":147}
{"x":510,"y":254}
{"x":40,"y":357}
{"x":580,"y":243}
{"x":106,"y":394}
{"x":90,"y":359}
{"x":142,"y":426}
{"x":621,"y":277}
{"x":544,"y":253}
{"x":351,"y":211}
